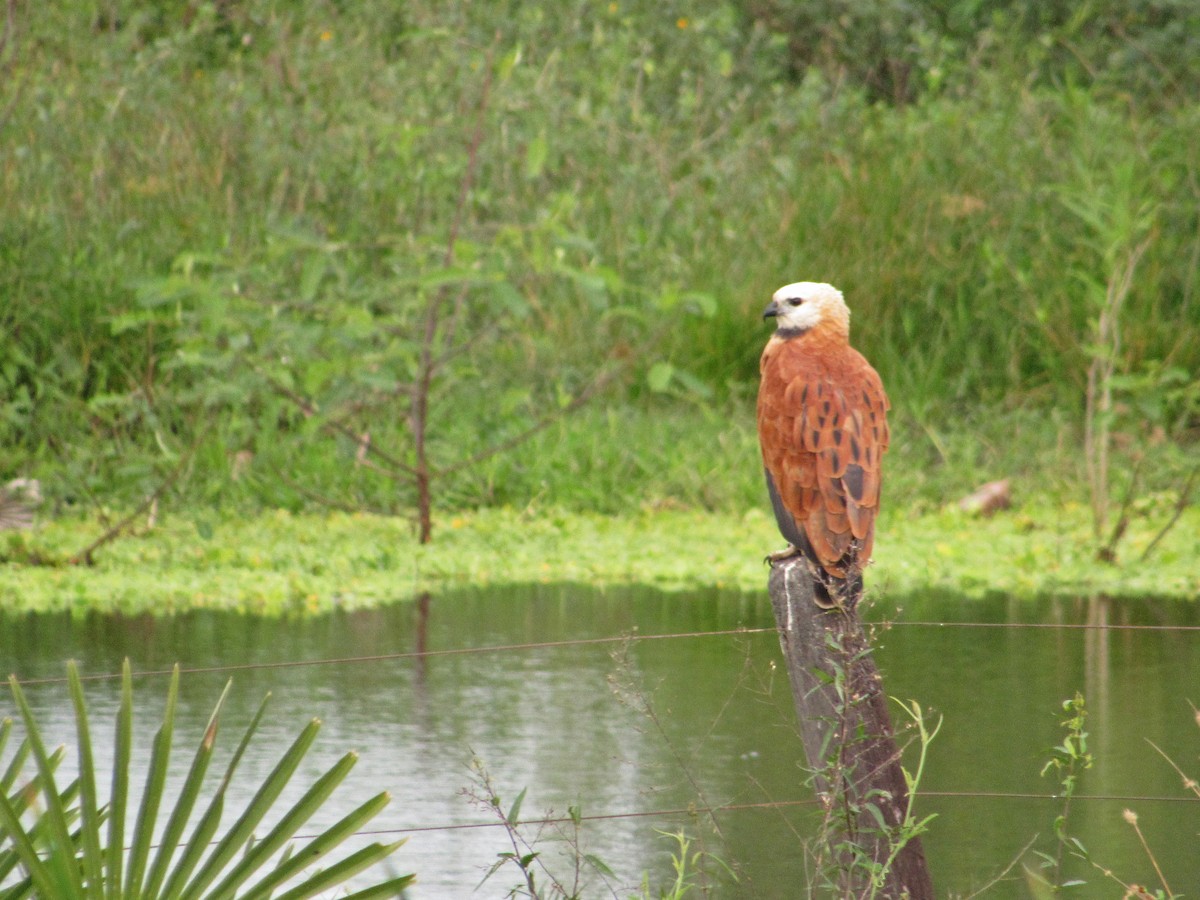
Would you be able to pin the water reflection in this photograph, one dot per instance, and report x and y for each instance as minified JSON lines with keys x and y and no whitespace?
{"x":667,"y":724}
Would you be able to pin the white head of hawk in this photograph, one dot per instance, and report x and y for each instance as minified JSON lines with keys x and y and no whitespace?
{"x":804,"y":305}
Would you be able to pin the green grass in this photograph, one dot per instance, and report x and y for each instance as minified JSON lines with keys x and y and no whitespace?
{"x":704,"y":455}
{"x":283,"y":564}
{"x":671,"y":496}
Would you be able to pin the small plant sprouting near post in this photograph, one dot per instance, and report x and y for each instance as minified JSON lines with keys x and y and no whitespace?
{"x":537,"y":879}
{"x":70,"y":845}
{"x":684,"y":862}
{"x":911,"y":827}
{"x":538,"y":882}
{"x":1068,"y":761}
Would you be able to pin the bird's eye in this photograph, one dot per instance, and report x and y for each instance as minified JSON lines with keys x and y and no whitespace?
{"x":795,"y":301}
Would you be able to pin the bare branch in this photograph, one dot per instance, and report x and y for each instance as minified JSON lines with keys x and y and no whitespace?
{"x":1108,"y":553}
{"x":419,"y":410}
{"x":324,"y":500}
{"x":85,"y":556}
{"x":307,"y":407}
{"x":1181,"y":504}
{"x":598,"y":383}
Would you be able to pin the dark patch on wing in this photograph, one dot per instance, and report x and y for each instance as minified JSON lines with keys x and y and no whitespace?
{"x":852,"y":481}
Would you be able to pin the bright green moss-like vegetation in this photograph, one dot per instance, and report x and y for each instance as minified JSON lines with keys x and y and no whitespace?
{"x":284,"y":564}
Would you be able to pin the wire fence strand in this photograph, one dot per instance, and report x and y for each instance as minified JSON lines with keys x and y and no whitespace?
{"x":630,"y":638}
{"x":633,"y":638}
{"x":409,"y":654}
{"x":693,"y":810}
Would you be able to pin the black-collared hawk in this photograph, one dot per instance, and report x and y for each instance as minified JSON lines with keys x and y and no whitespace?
{"x":822,"y":425}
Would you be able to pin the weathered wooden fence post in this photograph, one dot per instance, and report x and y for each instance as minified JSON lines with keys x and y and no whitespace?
{"x":848,"y":739}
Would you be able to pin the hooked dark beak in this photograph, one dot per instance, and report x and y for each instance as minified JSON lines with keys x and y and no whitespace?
{"x":771,"y":311}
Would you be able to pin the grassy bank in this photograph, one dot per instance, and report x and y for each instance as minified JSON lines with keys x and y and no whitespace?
{"x":284,"y":564}
{"x":671,"y":496}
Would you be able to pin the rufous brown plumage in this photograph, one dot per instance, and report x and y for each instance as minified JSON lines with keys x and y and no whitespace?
{"x":822,"y":425}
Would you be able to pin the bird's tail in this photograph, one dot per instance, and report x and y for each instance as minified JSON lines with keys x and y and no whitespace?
{"x":831,"y":592}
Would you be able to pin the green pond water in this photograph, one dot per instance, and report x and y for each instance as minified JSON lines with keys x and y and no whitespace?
{"x":569,"y":723}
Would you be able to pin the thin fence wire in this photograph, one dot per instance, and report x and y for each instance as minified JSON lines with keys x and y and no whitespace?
{"x":410,"y":654}
{"x":694,"y":810}
{"x":628,"y":638}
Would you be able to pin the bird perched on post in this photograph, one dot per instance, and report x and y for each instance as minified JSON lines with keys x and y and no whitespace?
{"x":822,"y":425}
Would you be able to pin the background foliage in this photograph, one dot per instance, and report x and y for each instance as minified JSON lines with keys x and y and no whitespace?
{"x":223,"y":226}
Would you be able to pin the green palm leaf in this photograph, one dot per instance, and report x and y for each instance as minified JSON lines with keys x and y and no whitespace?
{"x":60,"y":867}
{"x":122,"y":750}
{"x":66,"y":844}
{"x":186,"y":802}
{"x":156,"y":779}
{"x":93,"y":862}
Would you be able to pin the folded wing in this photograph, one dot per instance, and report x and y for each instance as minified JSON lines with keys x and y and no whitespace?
{"x":823,"y":429}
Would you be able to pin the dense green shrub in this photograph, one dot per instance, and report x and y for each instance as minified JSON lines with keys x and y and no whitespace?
{"x":204,"y":200}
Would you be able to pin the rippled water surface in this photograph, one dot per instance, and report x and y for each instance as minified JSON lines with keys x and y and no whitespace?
{"x":645,"y":734}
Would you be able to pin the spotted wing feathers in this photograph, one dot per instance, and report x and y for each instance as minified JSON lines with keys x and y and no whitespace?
{"x":823,"y":428}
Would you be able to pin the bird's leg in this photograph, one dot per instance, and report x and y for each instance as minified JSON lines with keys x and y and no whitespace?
{"x":780,"y":555}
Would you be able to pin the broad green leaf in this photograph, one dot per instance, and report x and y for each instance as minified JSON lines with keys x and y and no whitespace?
{"x":389,"y":889}
{"x":199,"y":842}
{"x":508,"y":62}
{"x":514,"y":811}
{"x":17,"y":763}
{"x":27,"y":854}
{"x":694,"y":385}
{"x":341,"y":871}
{"x":509,"y":299}
{"x":130,"y":321}
{"x":311,"y":276}
{"x":659,"y":377}
{"x":118,"y":800}
{"x":704,"y":304}
{"x":535,"y":156}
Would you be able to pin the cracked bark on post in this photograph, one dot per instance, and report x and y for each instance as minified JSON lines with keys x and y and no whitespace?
{"x":847,"y":733}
